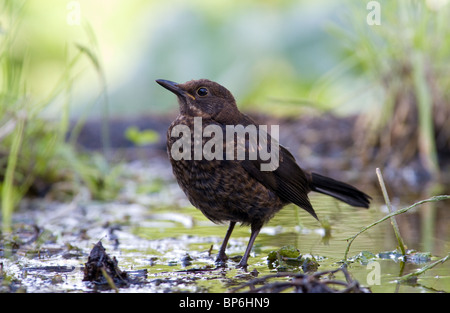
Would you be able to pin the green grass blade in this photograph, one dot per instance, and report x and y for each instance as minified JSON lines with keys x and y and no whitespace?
{"x":8,"y":194}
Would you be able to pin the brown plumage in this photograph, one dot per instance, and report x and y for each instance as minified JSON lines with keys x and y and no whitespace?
{"x":238,"y":191}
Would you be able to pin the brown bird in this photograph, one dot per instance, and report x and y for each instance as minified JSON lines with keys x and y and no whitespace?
{"x":237,"y":190}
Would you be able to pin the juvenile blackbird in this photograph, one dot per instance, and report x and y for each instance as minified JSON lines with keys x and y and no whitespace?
{"x":237,"y":190}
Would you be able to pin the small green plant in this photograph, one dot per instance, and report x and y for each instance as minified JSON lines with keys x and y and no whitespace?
{"x":288,"y":258}
{"x":141,"y":137}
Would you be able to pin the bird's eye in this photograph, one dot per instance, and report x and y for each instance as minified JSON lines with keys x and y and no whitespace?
{"x":202,"y":91}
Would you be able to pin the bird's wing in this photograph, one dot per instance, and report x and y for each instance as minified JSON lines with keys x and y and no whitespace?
{"x":288,"y":181}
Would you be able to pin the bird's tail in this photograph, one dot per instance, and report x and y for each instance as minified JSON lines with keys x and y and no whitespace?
{"x":339,"y":190}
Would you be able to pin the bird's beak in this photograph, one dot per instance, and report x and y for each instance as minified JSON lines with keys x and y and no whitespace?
{"x":175,"y":88}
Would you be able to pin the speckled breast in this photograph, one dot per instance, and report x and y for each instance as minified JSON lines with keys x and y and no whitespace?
{"x":222,"y":189}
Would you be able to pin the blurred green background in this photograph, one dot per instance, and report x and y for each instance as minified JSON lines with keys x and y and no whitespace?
{"x":266,"y":52}
{"x":270,"y":54}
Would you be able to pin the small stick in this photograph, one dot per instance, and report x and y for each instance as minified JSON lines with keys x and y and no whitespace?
{"x":388,"y":204}
{"x":352,"y":238}
{"x":425,"y":268}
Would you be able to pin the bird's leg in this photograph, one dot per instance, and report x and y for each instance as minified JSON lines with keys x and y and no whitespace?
{"x":255,"y":231}
{"x":222,"y":257}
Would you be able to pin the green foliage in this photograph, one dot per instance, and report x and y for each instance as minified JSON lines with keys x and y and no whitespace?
{"x":141,"y":138}
{"x":364,"y":257}
{"x":32,"y":147}
{"x":89,"y":170}
{"x":288,"y":258}
{"x":404,"y":63}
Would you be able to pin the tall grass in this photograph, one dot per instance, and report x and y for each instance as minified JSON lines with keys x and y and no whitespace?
{"x":32,"y":148}
{"x":405,"y":62}
{"x":9,"y":194}
{"x":12,"y":113}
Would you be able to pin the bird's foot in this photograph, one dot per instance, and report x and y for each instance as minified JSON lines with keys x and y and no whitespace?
{"x":221,"y":260}
{"x":242,"y":264}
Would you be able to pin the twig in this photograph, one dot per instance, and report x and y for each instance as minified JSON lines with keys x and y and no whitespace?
{"x":432,"y":199}
{"x":302,"y":283}
{"x":423,"y":269}
{"x":393,"y":221}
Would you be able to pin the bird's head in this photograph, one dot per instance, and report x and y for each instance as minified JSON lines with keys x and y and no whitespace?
{"x":203,"y":98}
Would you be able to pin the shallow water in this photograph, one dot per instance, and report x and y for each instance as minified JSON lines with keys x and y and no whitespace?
{"x":152,"y":228}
